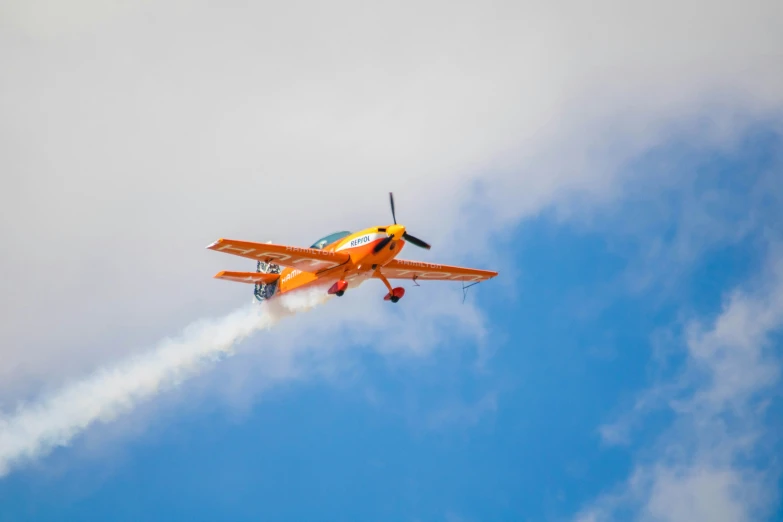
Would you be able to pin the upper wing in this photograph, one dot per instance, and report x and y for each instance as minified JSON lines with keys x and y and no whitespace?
{"x":248,"y":277}
{"x":305,"y":259}
{"x":402,"y":269}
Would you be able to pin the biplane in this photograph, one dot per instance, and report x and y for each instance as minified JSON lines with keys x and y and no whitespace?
{"x":344,"y":259}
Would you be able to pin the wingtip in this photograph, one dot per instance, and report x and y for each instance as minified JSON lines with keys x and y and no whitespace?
{"x":215,"y":243}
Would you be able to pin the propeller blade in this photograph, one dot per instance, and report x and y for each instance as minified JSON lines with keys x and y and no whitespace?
{"x":380,"y":246}
{"x":391,"y":200}
{"x":415,"y":240}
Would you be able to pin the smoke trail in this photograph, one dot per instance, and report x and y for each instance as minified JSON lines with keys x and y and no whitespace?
{"x":34,"y":430}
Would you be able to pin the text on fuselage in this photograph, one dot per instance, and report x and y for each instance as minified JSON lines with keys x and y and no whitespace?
{"x":360,"y":241}
{"x":291,"y":275}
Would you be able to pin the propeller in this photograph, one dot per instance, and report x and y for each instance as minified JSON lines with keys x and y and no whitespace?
{"x":380,"y":246}
{"x":396,"y":232}
{"x":416,"y":241}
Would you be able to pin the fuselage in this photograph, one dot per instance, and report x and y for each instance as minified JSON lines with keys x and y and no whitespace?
{"x":361,"y":266}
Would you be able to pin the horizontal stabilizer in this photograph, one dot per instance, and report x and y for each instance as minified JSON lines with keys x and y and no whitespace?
{"x":248,"y":277}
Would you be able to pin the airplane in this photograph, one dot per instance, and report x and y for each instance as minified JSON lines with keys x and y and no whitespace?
{"x":343,"y":258}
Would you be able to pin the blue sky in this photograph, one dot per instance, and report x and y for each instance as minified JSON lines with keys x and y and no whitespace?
{"x":594,"y":318}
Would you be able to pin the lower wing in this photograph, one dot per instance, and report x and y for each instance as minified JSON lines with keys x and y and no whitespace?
{"x":305,"y":259}
{"x":402,"y":269}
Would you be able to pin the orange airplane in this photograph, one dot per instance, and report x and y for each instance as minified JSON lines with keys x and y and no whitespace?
{"x":345,"y":258}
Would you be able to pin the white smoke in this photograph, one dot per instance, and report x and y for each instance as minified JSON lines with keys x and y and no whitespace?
{"x":36,"y":429}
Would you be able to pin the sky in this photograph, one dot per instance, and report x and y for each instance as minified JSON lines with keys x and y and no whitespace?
{"x":620,"y":165}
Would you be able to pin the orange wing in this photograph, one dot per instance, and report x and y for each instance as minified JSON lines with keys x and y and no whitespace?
{"x":305,"y":259}
{"x":402,"y":269}
{"x":248,"y":277}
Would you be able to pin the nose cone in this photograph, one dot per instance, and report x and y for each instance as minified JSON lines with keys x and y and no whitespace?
{"x":395,"y":231}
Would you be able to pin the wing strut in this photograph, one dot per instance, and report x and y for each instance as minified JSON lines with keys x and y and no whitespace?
{"x":465,"y":290}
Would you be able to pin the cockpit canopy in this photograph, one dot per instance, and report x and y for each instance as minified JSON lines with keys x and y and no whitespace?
{"x":328,"y":240}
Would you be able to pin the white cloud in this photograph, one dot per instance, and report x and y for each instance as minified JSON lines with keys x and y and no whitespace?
{"x":133,"y":136}
{"x":713,"y":462}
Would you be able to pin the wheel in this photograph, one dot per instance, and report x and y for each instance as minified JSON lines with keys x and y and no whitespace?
{"x":339,"y":293}
{"x":394,"y":299}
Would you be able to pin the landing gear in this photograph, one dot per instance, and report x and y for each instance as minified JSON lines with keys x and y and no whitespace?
{"x":338,"y":288}
{"x":394,"y":294}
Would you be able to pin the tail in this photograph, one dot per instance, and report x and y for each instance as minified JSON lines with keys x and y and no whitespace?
{"x":265,"y":279}
{"x":266,"y":287}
